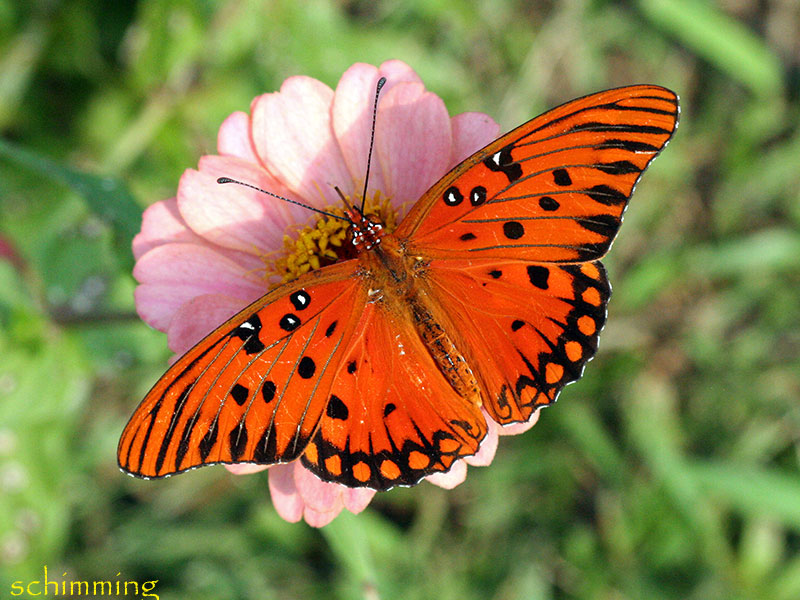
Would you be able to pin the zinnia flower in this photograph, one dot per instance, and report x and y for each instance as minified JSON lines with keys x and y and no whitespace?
{"x":207,"y":253}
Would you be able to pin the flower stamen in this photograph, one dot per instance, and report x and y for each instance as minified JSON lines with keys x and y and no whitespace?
{"x":325,"y":242}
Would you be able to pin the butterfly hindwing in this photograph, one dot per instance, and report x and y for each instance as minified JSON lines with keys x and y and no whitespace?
{"x":527,"y":328}
{"x":551,"y":190}
{"x":254,"y":389}
{"x":392,"y":417}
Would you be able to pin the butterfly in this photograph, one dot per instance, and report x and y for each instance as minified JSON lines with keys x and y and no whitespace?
{"x":487,"y":299}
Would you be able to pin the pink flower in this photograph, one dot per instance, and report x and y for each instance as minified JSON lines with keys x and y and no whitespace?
{"x":204,"y":255}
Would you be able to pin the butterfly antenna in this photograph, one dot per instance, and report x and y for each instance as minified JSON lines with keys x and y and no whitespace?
{"x":263,"y":191}
{"x":378,"y":87}
{"x":347,"y":205}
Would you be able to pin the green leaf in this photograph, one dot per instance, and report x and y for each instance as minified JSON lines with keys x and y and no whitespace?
{"x":108,"y":198}
{"x":721,"y":40}
{"x":753,"y":491}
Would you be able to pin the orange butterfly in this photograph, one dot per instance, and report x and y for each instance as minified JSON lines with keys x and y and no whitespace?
{"x":489,"y":295}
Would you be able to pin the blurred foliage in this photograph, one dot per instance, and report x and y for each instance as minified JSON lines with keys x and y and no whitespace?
{"x":669,"y":471}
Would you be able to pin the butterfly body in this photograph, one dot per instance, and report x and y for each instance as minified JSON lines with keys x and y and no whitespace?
{"x":486,"y":301}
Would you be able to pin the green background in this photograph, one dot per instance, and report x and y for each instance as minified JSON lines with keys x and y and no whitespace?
{"x":669,"y":471}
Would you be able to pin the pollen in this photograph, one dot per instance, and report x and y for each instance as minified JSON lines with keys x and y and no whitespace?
{"x":325,"y":242}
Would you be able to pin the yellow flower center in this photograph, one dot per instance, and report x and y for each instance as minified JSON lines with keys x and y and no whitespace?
{"x":325,"y":242}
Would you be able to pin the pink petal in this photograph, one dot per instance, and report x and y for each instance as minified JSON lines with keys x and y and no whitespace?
{"x":292,"y":134}
{"x":162,"y":223}
{"x":172,"y":274}
{"x":288,"y":503}
{"x":245,"y":468}
{"x":396,"y":70}
{"x":233,"y":138}
{"x":352,"y":114}
{"x":455,"y":476}
{"x":471,"y":132}
{"x":357,"y":499}
{"x":231,"y":215}
{"x":412,"y":140}
{"x":320,"y":518}
{"x":198,"y":317}
{"x":317,"y":494}
{"x":485,"y":454}
{"x":517,"y":428}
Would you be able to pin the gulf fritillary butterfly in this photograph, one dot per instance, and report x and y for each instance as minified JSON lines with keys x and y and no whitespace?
{"x":489,"y":295}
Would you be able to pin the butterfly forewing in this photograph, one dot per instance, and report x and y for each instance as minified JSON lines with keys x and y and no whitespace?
{"x":552,"y":190}
{"x":254,"y":389}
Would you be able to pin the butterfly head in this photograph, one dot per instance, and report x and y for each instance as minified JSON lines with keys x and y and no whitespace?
{"x":366,"y":231}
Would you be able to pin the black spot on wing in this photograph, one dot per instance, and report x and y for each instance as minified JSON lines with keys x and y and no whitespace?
{"x":268,"y":391}
{"x":300,"y":299}
{"x":331,"y":328}
{"x":248,"y":332}
{"x":477,"y":196}
{"x":306,"y":368}
{"x":208,"y":441}
{"x":513,"y":230}
{"x":452,"y":196}
{"x":238,"y":441}
{"x":621,"y":128}
{"x":183,"y":444}
{"x":606,"y":225}
{"x":561,"y":177}
{"x":266,"y":450}
{"x":239,"y":393}
{"x":538,"y":276}
{"x":549,"y":204}
{"x":620,"y":167}
{"x":607,"y":195}
{"x":502,"y":162}
{"x":629,"y":145}
{"x":337,"y":409}
{"x":289,"y":322}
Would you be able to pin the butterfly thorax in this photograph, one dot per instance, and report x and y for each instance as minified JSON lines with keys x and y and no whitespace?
{"x":397,"y":284}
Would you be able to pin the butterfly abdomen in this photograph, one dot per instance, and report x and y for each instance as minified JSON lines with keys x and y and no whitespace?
{"x":447,"y":356}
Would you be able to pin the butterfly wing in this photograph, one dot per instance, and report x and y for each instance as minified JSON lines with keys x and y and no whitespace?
{"x":317,"y":369}
{"x":526,"y":329}
{"x":254,"y":389}
{"x":551,"y":190}
{"x":392,"y":418}
{"x":511,"y":238}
